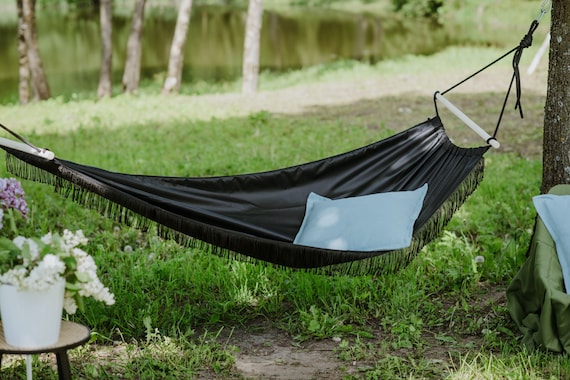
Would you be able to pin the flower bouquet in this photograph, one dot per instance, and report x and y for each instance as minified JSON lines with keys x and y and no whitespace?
{"x":36,"y":265}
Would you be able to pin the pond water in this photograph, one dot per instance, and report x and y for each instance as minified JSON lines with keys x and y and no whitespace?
{"x":69,"y":44}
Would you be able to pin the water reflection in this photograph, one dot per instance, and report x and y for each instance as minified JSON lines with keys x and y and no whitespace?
{"x":70,"y":45}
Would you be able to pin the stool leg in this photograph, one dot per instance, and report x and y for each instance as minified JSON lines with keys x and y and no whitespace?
{"x":63,"y":369}
{"x":29,"y":367}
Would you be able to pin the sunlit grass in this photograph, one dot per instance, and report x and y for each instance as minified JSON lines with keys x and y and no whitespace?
{"x":176,"y":307}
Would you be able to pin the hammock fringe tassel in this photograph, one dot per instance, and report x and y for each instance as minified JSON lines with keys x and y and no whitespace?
{"x":76,"y":188}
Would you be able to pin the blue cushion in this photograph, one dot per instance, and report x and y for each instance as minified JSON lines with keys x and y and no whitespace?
{"x":554,"y":210}
{"x":374,"y":222}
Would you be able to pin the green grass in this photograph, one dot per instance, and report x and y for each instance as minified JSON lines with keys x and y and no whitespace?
{"x":172,"y":302}
{"x":178,"y":309}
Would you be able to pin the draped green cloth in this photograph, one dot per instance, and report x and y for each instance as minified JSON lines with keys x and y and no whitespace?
{"x":536,"y":297}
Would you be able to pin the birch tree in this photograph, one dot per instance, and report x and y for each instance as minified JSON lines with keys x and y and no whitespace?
{"x":38,"y":78}
{"x":556,"y":140}
{"x":176,"y":60}
{"x":23,"y":64}
{"x":106,"y":16}
{"x":250,"y":68}
{"x":132,"y":73}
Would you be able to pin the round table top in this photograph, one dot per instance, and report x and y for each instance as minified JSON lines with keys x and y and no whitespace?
{"x":71,"y":335}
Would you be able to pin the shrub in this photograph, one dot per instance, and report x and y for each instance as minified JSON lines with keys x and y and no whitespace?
{"x":418,"y":8}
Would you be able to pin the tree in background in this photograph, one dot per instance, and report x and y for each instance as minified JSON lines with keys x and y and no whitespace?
{"x":106,"y":16}
{"x":23,"y":64}
{"x":176,"y":60}
{"x":251,"y":47}
{"x":27,"y":26}
{"x":418,"y":8}
{"x":131,"y":75}
{"x":556,"y":140}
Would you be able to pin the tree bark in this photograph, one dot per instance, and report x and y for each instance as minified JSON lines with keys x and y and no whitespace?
{"x":556,"y":140}
{"x":39,"y":81}
{"x":176,"y":60}
{"x":23,"y":63}
{"x":106,"y":16}
{"x":251,"y":47}
{"x":131,"y":76}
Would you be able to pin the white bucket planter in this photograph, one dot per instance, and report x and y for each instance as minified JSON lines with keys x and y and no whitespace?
{"x":31,"y":319}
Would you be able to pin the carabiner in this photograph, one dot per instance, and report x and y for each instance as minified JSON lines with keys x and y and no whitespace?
{"x":544,"y":9}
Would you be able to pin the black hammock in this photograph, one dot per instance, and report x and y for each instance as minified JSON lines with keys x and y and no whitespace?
{"x":259,"y":214}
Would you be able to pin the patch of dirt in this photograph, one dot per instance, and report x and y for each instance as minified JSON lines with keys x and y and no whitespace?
{"x":270,"y":353}
{"x":266,"y":352}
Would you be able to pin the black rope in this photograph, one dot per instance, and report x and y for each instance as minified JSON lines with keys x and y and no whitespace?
{"x":525,"y":43}
{"x":20,"y":138}
{"x":504,"y":107}
{"x":479,"y":71}
{"x":516,"y":78}
{"x":518,"y":50}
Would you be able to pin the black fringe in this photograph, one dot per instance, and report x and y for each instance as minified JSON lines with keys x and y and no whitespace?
{"x":377,"y":263}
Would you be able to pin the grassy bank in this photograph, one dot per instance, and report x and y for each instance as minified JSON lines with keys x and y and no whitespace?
{"x":186,"y":313}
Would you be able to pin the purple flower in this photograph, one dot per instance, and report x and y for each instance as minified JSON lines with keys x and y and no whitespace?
{"x":12,"y":196}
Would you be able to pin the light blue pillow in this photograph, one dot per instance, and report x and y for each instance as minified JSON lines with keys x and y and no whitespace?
{"x":375,"y":222}
{"x":554,"y":210}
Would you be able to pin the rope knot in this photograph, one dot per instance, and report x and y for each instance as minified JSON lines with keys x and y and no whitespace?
{"x":526,"y":41}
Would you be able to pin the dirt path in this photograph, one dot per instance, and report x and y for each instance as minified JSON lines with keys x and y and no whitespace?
{"x":301,"y":99}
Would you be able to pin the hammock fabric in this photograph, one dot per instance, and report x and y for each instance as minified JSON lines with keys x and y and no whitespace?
{"x":259,"y":214}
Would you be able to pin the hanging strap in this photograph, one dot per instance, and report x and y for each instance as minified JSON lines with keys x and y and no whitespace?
{"x":525,"y":43}
{"x":518,"y":50}
{"x":24,"y":145}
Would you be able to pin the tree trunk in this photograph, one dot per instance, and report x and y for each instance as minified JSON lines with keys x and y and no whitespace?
{"x":131,"y":76}
{"x":24,"y":66}
{"x":106,"y":15}
{"x":176,"y":60}
{"x":251,"y":47}
{"x":39,"y":81}
{"x":556,"y":140}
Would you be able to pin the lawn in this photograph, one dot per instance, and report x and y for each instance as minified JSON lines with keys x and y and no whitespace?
{"x":187,"y":313}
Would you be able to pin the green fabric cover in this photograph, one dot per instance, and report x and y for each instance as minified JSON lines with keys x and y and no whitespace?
{"x":536,"y":297}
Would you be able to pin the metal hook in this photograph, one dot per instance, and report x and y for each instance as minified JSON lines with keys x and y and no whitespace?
{"x":544,"y":9}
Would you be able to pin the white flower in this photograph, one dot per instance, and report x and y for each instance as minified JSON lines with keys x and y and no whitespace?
{"x":21,"y":242}
{"x":69,"y":304}
{"x":46,"y":273}
{"x":479,"y":259}
{"x":14,"y":276}
{"x":53,"y":262}
{"x":96,"y":290}
{"x":46,"y":239}
{"x":43,"y":263}
{"x":71,"y":240}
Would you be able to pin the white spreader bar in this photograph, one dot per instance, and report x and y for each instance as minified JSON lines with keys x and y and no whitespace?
{"x":470,"y":123}
{"x":44,"y":153}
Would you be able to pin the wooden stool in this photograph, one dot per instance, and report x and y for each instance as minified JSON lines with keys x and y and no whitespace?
{"x":71,"y":335}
